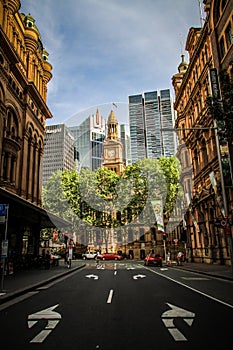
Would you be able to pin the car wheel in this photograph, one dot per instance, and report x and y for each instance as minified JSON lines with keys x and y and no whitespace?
{"x":84,"y":258}
{"x":103,"y":259}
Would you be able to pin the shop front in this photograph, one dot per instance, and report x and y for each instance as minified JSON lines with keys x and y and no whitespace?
{"x":22,"y":230}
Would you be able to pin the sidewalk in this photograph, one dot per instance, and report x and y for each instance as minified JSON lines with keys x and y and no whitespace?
{"x":216,"y":270}
{"x":27,"y":280}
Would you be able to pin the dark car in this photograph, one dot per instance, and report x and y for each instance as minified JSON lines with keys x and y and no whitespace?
{"x":110,"y":256}
{"x":153,"y":259}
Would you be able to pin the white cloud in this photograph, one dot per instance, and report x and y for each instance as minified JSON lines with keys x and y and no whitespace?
{"x":105,"y":50}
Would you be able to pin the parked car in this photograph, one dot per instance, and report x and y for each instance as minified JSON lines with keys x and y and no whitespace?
{"x":110,"y":256}
{"x":153,"y":259}
{"x":89,"y":255}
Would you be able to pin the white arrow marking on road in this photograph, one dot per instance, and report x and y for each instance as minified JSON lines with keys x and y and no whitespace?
{"x":136,"y":277}
{"x":93,"y":276}
{"x":163,"y":269}
{"x":46,"y":314}
{"x":168,"y":320}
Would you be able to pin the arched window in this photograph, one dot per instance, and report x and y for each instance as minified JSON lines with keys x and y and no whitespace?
{"x":11,"y":125}
{"x":10,"y":148}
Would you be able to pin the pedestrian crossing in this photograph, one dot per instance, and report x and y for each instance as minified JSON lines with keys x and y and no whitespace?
{"x":112,"y":265}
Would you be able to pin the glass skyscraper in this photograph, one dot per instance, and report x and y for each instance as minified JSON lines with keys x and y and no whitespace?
{"x":88,"y":141}
{"x":58,"y":151}
{"x":151,"y":120}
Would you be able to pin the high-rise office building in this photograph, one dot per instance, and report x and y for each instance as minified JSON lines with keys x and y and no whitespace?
{"x":125,"y":140}
{"x":59,"y":150}
{"x":151,"y":120}
{"x":88,"y":140}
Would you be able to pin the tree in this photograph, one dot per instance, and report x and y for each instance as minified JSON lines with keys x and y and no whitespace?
{"x":105,"y":200}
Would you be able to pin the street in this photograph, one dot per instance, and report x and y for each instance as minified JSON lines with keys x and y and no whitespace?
{"x":122,"y":305}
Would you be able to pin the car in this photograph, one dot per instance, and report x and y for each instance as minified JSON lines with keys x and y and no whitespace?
{"x":153,"y":259}
{"x":110,"y":256}
{"x":89,"y":255}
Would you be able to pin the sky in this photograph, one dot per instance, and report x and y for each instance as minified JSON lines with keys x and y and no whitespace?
{"x":102,"y":51}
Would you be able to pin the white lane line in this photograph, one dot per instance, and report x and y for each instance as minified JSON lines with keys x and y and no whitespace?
{"x":195,"y":278}
{"x":193,"y":289}
{"x":115,"y":272}
{"x":110,"y":296}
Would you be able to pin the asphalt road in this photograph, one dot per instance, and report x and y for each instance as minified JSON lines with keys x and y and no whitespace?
{"x":122,"y":306}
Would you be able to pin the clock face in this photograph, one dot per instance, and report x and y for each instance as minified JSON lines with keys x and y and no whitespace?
{"x":111,"y":153}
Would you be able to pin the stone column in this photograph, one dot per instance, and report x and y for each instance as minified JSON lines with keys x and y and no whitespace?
{"x":24,"y":168}
{"x":30,"y":169}
{"x":36,"y":174}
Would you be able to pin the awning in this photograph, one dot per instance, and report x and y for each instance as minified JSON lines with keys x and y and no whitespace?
{"x":32,"y":214}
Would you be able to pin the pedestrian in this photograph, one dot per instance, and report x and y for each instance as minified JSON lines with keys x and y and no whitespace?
{"x":47,"y":259}
{"x":179,"y":257}
{"x":168,"y":258}
{"x":65,"y":257}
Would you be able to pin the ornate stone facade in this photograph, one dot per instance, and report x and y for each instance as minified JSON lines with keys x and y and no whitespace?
{"x":207,"y":239}
{"x":24,"y":75}
{"x":25,"y":72}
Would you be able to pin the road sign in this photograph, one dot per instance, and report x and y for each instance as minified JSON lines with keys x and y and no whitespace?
{"x":53,"y":318}
{"x":3,"y":209}
{"x":3,"y":213}
{"x":168,"y":320}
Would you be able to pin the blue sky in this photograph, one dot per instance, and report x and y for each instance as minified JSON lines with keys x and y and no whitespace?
{"x":102,"y":51}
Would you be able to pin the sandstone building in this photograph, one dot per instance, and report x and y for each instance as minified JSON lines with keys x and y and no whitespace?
{"x":202,"y":126}
{"x":24,"y":74}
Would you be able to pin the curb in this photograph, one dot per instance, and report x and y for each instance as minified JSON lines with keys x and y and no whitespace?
{"x":12,"y":295}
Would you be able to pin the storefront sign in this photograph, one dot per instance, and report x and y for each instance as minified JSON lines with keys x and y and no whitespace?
{"x":214,"y":83}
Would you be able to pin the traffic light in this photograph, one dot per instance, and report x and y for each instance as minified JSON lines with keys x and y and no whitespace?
{"x":164,"y":236}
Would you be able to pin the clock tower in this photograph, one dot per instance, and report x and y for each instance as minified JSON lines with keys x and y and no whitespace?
{"x":113,"y":146}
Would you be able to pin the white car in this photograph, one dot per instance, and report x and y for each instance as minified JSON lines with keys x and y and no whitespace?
{"x":89,"y":255}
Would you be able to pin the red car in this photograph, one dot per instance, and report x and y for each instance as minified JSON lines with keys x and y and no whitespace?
{"x":110,"y":256}
{"x":153,"y":259}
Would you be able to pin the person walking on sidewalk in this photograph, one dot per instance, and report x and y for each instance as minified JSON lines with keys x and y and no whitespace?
{"x":179,"y":258}
{"x":47,"y":259}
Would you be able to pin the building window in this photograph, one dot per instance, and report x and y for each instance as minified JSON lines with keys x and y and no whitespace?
{"x":229,"y":37}
{"x":222,"y":48}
